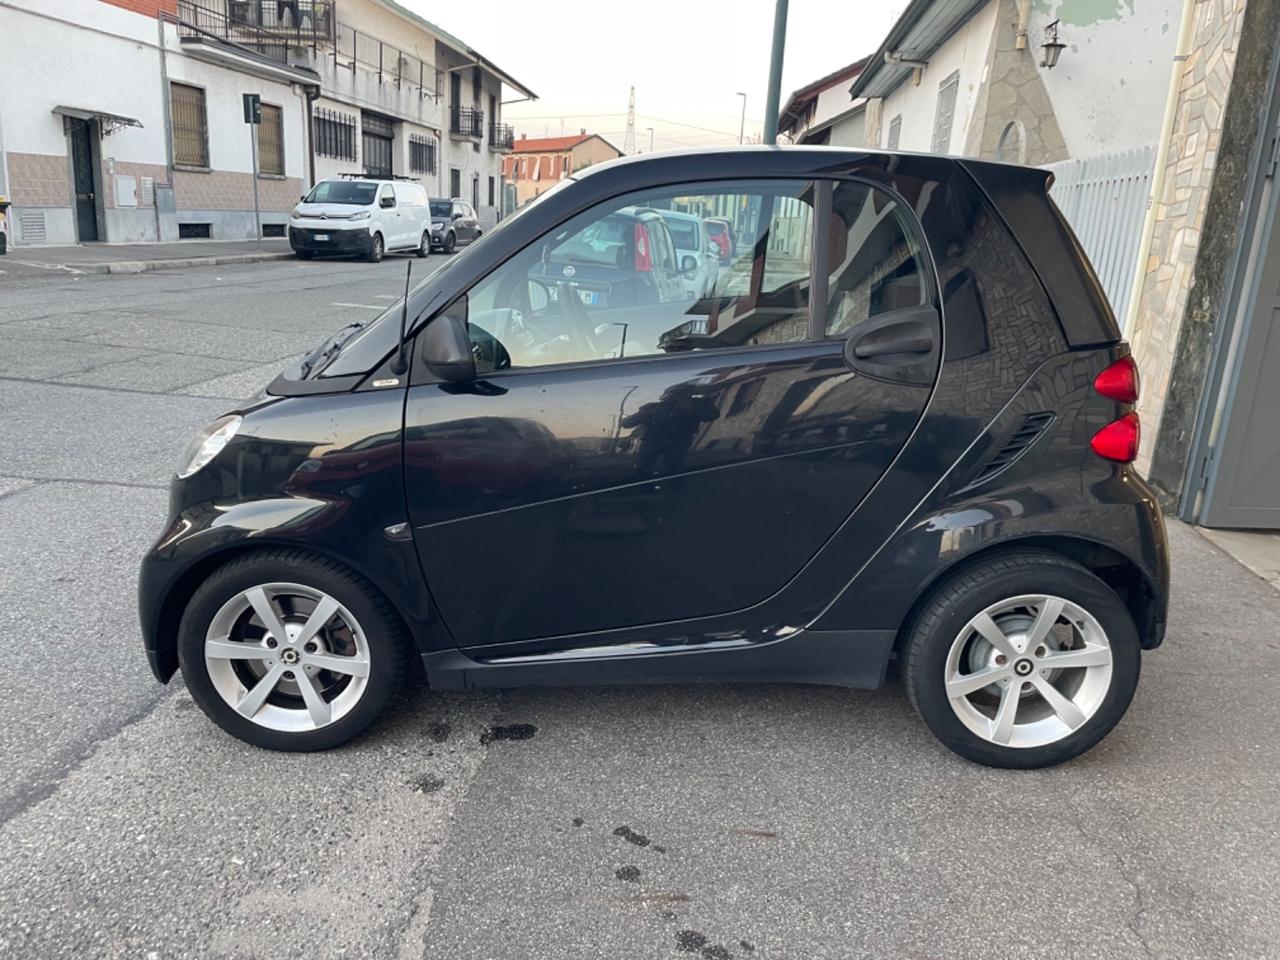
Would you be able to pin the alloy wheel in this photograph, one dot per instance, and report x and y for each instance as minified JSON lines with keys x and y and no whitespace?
{"x":287,"y":657}
{"x":1028,"y":671}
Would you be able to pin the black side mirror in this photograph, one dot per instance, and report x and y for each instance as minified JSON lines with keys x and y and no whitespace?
{"x":457,"y":216}
{"x":387,"y":202}
{"x":446,"y":347}
{"x":688,"y":265}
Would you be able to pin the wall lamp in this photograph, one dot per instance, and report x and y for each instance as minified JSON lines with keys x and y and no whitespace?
{"x":1052,"y":46}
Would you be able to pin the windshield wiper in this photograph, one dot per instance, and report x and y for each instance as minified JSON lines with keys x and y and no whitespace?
{"x":331,"y":346}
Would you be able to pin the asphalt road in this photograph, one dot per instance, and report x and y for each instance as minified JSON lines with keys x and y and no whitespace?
{"x":745,"y":822}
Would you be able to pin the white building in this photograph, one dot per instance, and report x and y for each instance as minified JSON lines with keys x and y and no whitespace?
{"x":123,"y":120}
{"x":822,"y":112}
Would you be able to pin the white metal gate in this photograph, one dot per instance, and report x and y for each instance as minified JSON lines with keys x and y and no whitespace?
{"x":1104,"y":198}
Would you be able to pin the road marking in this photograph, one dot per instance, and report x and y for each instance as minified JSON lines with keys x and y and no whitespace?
{"x":362,"y":306}
{"x":48,"y":266}
{"x":385,"y":296}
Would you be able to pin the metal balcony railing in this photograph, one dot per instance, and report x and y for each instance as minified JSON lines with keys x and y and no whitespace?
{"x":352,"y":48}
{"x":466,"y":122}
{"x":269,"y":28}
{"x":502,"y":136}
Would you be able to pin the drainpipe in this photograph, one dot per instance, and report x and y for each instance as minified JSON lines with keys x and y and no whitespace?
{"x":168,"y":123}
{"x":1020,"y":30}
{"x":1180,"y":54}
{"x":311,"y":94}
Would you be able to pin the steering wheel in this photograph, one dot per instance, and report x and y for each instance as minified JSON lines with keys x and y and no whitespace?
{"x":577,"y":320}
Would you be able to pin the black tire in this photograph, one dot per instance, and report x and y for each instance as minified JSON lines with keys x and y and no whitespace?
{"x":961,"y":597}
{"x":304,"y":254}
{"x":450,"y":242}
{"x":385,"y":634}
{"x":376,"y":249}
{"x":424,"y":247}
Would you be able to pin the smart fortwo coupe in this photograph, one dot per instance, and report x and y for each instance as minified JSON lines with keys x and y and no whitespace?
{"x":896,"y":433}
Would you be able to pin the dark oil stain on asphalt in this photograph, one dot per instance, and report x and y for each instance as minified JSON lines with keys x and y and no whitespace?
{"x":429,"y":784}
{"x":660,"y":898}
{"x":439,"y":730}
{"x":514,"y":731}
{"x":762,"y":834}
{"x":578,"y":821}
{"x":628,"y":873}
{"x":690,"y":941}
{"x":746,"y":946}
{"x":639,"y":839}
{"x":716,"y":952}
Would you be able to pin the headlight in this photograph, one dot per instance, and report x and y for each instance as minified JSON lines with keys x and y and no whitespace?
{"x":207,"y":444}
{"x":361,"y":215}
{"x":437,"y":226}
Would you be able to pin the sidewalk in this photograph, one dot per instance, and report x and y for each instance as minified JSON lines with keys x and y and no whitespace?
{"x":141,"y":257}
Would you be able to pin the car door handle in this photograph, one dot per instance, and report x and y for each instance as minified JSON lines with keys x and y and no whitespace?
{"x":892,"y":340}
{"x":902,"y":346}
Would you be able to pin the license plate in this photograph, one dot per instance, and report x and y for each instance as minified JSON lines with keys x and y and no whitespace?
{"x":321,"y":236}
{"x":589,"y":297}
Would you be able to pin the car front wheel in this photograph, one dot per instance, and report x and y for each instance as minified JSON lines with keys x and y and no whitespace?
{"x":450,"y":242}
{"x":290,"y":652}
{"x":376,"y":249}
{"x":1024,"y":660}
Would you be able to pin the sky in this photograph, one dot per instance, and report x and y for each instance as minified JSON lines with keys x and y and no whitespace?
{"x":687,"y":59}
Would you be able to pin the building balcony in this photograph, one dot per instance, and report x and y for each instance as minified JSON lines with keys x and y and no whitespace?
{"x":466,"y":123}
{"x":271,"y":29}
{"x":502,"y":137}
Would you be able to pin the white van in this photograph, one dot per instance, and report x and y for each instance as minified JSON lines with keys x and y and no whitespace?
{"x":363,"y":216}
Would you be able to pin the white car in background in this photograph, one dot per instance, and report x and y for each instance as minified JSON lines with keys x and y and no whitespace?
{"x":690,"y":236}
{"x":361,"y":216}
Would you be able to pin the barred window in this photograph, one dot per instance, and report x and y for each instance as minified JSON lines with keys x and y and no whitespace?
{"x":190,"y":130}
{"x":422,"y":154}
{"x":271,"y":141}
{"x":334,"y":134}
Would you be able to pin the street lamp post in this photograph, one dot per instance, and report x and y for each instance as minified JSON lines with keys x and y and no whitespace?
{"x":742,"y":124}
{"x":775,"y":72}
{"x":650,"y":129}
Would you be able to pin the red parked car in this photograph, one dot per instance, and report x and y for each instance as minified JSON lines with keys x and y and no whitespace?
{"x":722,"y":236}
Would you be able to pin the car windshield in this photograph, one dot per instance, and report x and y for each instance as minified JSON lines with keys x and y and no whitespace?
{"x":441,"y":208}
{"x":684,"y":233}
{"x":354,"y":192}
{"x":602,"y":243}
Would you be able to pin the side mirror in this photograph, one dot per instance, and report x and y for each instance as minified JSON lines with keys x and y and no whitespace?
{"x":457,"y":216}
{"x":446,"y":347}
{"x":303,"y":198}
{"x":688,"y":264}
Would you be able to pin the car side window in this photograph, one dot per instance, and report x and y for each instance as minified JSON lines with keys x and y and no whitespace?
{"x":387,"y":192}
{"x":876,"y":261}
{"x":607,"y":284}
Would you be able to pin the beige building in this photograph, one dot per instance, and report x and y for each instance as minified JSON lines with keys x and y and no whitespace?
{"x":537,"y":163}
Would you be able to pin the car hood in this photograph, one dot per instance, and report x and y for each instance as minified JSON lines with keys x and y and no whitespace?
{"x":331,"y":211}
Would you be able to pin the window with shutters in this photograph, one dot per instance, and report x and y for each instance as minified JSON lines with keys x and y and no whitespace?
{"x":271,"y":141}
{"x":190,"y":129}
{"x":945,"y":113}
{"x":895,"y":133}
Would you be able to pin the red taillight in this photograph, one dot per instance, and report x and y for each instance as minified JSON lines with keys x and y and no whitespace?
{"x":1119,"y":382}
{"x":644,"y":262}
{"x":1119,"y":439}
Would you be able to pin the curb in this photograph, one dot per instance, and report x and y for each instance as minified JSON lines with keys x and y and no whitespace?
{"x":146,"y":266}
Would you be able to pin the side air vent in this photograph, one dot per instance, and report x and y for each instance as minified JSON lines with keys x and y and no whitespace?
{"x":1032,"y":426}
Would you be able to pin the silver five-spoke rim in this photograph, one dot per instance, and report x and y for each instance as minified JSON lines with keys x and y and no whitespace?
{"x":1028,"y":671}
{"x":287,"y":657}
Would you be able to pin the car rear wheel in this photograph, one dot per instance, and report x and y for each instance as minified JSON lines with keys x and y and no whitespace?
{"x":1024,"y":660}
{"x":290,"y":652}
{"x":376,"y":249}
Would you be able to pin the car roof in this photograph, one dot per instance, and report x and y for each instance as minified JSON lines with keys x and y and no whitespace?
{"x":678,"y":215}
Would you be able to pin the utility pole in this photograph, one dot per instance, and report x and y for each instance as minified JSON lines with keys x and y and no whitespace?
{"x":650,"y":129}
{"x":775,"y":72}
{"x":629,"y":138}
{"x":742,"y":124}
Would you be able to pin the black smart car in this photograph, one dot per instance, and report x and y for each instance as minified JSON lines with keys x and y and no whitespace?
{"x":898,"y":433}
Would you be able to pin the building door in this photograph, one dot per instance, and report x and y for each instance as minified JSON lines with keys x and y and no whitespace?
{"x":84,"y":181}
{"x":1243,"y":476}
{"x":377,"y":136}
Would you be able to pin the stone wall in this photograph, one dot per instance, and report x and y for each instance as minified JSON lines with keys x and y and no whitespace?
{"x":1013,"y":94}
{"x":1203,"y":320}
{"x":227,"y":190}
{"x":1168,"y":274}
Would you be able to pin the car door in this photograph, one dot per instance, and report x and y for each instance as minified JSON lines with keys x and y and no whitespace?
{"x":665,"y":469}
{"x":460,"y":229}
{"x":410,"y":201}
{"x":389,"y":217}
